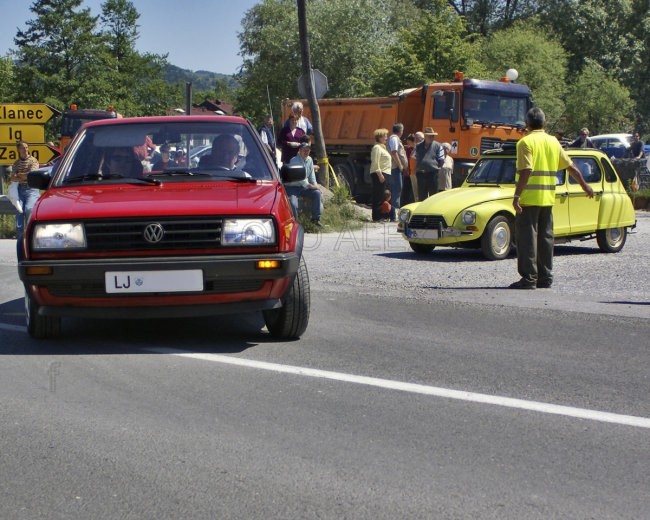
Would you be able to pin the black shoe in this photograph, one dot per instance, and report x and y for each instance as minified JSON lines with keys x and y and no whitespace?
{"x":317,"y":223}
{"x":544,"y":284}
{"x":521,"y":284}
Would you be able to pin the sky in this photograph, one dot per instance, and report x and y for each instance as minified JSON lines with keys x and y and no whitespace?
{"x":197,"y":34}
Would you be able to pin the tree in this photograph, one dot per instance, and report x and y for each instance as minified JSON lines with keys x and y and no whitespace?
{"x":599,"y":102}
{"x":539,"y":59}
{"x":592,"y":31}
{"x":485,"y":16}
{"x":6,"y":78}
{"x":349,"y":40}
{"x":430,"y":48}
{"x":137,"y":80}
{"x":638,"y":79}
{"x":57,"y":52}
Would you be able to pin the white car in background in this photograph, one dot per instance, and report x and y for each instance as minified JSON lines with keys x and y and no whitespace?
{"x":615,"y":145}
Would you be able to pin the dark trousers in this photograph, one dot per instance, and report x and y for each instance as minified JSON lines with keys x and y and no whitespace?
{"x":407,"y":191}
{"x":396,"y":185}
{"x":427,"y":184}
{"x":377,"y":195}
{"x":534,"y":236}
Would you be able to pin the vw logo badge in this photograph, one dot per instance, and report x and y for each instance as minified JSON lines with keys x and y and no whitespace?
{"x":154,"y":233}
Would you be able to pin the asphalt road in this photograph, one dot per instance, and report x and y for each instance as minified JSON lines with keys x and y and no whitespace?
{"x":422,"y":389}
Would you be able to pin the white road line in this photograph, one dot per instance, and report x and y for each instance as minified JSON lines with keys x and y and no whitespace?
{"x":13,"y":328}
{"x":534,"y":406}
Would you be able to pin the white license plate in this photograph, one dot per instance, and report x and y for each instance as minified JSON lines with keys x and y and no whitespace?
{"x":190,"y":280}
{"x":427,"y":234}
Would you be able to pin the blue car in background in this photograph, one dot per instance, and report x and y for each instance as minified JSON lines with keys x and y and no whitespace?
{"x":615,"y":145}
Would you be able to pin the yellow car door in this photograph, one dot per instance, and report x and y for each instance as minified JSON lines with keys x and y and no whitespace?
{"x":583,"y":211}
{"x":561,"y":224}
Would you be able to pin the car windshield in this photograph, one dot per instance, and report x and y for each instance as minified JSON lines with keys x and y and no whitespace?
{"x":493,"y":171}
{"x":183,"y":151}
{"x":494,"y":108}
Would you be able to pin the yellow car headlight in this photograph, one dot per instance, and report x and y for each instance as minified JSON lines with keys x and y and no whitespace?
{"x":404,"y":215}
{"x":469,"y":217}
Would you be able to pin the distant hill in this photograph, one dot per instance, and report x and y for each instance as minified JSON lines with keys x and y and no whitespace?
{"x":200,"y":79}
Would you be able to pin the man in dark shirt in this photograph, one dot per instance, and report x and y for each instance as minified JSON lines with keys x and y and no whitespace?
{"x":636,"y":147}
{"x":583,"y":140}
{"x":429,"y":157}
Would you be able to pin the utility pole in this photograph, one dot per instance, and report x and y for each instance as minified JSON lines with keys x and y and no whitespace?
{"x":319,"y":142}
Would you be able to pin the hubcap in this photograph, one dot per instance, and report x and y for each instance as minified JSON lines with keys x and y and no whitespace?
{"x":501,"y":238}
{"x":614,"y":236}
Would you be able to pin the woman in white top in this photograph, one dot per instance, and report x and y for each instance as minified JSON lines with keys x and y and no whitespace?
{"x":447,"y":168}
{"x":380,"y":163}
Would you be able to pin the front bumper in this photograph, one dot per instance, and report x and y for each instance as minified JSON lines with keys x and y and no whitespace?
{"x":437,"y":234}
{"x":231,"y":283}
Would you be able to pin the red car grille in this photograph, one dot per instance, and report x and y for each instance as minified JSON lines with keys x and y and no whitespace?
{"x":153,"y":233}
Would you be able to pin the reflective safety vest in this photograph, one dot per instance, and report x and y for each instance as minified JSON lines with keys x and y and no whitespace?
{"x":545,"y":150}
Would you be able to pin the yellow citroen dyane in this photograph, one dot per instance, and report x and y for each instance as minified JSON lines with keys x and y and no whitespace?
{"x":479,"y":214}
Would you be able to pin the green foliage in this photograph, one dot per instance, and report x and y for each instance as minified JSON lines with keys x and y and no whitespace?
{"x":6,"y":77}
{"x":338,"y":213}
{"x":430,"y":48}
{"x":539,"y":59}
{"x":565,"y":50}
{"x":586,"y":106}
{"x":349,"y":41}
{"x":7,"y":222}
{"x":66,"y":56}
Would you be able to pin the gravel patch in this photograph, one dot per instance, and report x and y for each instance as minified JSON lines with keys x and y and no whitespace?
{"x":376,"y":260}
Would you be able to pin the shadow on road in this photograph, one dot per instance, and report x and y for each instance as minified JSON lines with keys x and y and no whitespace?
{"x":457,"y":255}
{"x":216,"y":334}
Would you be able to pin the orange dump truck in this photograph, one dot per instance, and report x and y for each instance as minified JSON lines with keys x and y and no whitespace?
{"x":73,"y":118}
{"x":472,"y":115}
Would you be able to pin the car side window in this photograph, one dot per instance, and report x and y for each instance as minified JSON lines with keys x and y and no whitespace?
{"x":589,"y":169}
{"x":610,"y":174}
{"x":560,"y":177}
{"x":508,"y":173}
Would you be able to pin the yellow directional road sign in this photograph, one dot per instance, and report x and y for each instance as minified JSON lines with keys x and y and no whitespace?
{"x":31,"y":113}
{"x":28,"y":133}
{"x":42,"y":152}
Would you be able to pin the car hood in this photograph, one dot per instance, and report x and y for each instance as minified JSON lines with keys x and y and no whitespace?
{"x":451,"y":202}
{"x":169,"y":199}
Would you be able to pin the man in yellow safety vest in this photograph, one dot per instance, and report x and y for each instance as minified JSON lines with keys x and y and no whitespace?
{"x":539,"y":157}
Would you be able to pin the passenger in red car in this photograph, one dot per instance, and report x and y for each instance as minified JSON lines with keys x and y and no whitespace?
{"x":122,"y":161}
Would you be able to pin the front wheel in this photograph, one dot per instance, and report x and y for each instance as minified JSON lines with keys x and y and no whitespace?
{"x":40,"y":327}
{"x":611,"y":240}
{"x":290,"y":321}
{"x":496,"y":241}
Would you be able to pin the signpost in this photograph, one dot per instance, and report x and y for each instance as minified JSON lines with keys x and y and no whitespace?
{"x":24,"y":122}
{"x":42,"y":152}
{"x":29,"y":113}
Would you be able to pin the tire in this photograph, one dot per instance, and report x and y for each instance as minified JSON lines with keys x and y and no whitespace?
{"x":345,"y":174}
{"x":497,"y":239}
{"x":40,"y":327}
{"x":421,"y":249}
{"x":611,"y":240}
{"x":290,"y":321}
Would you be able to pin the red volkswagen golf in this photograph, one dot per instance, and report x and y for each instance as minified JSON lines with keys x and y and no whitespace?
{"x":123,"y":231}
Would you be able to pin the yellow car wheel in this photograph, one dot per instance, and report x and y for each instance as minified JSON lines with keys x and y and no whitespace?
{"x":611,"y":240}
{"x":496,"y":241}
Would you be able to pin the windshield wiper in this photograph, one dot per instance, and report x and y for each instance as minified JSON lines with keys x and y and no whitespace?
{"x":178,"y":173}
{"x":92,"y":177}
{"x":238,"y":178}
{"x":110,"y":176}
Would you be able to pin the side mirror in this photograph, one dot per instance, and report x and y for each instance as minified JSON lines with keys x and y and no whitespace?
{"x":40,"y":178}
{"x":293,"y":173}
